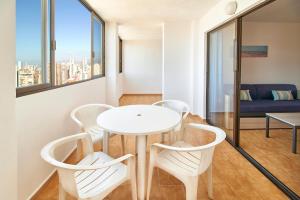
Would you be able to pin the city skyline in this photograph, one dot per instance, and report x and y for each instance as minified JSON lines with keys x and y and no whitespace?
{"x":73,"y":43}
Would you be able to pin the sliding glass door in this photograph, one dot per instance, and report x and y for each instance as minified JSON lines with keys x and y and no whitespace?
{"x":221,"y":78}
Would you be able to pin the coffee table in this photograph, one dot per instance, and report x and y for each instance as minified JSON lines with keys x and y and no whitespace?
{"x":291,"y":119}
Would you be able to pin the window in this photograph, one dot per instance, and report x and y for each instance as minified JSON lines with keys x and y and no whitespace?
{"x":58,"y":43}
{"x":120,"y":55}
{"x":98,"y":47}
{"x":31,"y":51}
{"x":73,"y":46}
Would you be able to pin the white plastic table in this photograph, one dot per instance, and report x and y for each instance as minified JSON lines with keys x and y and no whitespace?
{"x":140,"y":121}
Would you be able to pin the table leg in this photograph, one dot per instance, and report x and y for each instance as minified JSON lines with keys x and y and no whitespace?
{"x":294,"y":145}
{"x":106,"y":142}
{"x":267,"y":126}
{"x":141,"y":150}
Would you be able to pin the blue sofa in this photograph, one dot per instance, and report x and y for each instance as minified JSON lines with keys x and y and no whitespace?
{"x":262,"y":100}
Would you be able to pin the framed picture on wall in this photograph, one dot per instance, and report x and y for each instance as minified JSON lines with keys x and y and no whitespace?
{"x":255,"y":51}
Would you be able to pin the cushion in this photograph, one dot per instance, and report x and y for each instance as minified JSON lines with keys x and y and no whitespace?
{"x":251,"y":88}
{"x":298,"y":94}
{"x":245,"y":95}
{"x":264,"y":91}
{"x":280,"y":95}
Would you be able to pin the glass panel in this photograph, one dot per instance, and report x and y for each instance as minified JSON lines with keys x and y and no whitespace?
{"x":73,"y":42}
{"x":30,"y":69}
{"x":272,"y":63}
{"x":97,"y":45}
{"x":221,"y":78}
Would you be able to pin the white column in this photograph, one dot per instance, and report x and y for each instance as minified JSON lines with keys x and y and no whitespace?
{"x":8,"y":136}
{"x":112,"y":63}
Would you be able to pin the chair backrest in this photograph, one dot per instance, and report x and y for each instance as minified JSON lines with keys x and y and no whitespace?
{"x":65,"y":171}
{"x":86,"y":115}
{"x":207,"y":150}
{"x":179,"y":106}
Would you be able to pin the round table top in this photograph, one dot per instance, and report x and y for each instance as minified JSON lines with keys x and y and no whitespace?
{"x":138,"y":120}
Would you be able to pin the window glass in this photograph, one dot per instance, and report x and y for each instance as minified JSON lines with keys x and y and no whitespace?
{"x":73,"y":42}
{"x":29,"y":30}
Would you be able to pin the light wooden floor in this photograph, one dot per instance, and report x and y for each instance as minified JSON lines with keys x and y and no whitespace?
{"x":274,"y":154}
{"x":234,"y":177}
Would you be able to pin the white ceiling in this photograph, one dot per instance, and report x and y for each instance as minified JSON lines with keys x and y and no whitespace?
{"x":140,"y":17}
{"x":278,"y":11}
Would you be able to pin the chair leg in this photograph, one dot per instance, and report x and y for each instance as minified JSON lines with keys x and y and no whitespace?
{"x":150,"y":174}
{"x":191,"y":187}
{"x":162,"y":138}
{"x":123,"y":144}
{"x":210,"y":182}
{"x":62,"y":195}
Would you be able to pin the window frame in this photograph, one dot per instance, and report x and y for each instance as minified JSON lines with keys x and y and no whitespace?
{"x":120,"y":55}
{"x":94,"y":15}
{"x":50,"y":49}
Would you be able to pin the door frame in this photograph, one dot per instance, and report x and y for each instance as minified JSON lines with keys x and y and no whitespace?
{"x":236,"y":116}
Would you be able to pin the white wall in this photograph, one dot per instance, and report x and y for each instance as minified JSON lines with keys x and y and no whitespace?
{"x":142,"y":66}
{"x":8,"y":136}
{"x":178,"y":60}
{"x":283,"y":62}
{"x":215,"y":17}
{"x":43,"y":117}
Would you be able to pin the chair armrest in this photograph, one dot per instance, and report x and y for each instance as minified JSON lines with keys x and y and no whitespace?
{"x":74,"y":118}
{"x":90,"y":167}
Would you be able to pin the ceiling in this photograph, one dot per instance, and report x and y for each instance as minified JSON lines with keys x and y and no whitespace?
{"x":140,"y":17}
{"x":278,"y":11}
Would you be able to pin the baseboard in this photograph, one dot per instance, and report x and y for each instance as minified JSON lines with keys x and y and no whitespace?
{"x":35,"y":192}
{"x":132,"y":94}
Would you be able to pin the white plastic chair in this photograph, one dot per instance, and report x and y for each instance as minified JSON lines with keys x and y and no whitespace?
{"x":85,"y":117}
{"x":185,"y":161}
{"x":95,"y":176}
{"x":181,"y":108}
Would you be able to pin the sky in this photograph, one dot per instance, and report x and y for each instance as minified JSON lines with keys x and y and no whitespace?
{"x":72,"y":30}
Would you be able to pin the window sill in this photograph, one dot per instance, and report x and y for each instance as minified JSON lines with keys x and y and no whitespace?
{"x":20,"y":92}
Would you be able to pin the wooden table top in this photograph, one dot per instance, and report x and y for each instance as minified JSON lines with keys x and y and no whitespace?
{"x":288,"y":118}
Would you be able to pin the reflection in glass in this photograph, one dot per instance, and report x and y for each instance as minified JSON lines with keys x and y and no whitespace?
{"x":221,"y":78}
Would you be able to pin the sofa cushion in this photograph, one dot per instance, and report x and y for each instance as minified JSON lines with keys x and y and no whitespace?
{"x":264,"y":91}
{"x":298,"y":94}
{"x":265,"y":106}
{"x":245,"y":95}
{"x":251,"y":88}
{"x":282,"y":95}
